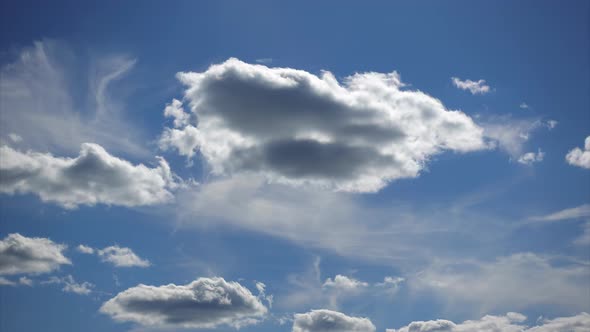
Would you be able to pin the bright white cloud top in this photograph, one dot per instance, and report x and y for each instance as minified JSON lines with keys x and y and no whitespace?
{"x":204,"y":303}
{"x":475,"y":87}
{"x":530,"y":158}
{"x":511,"y":322}
{"x":330,"y":321}
{"x":93,"y":177}
{"x":295,"y":127}
{"x":30,"y":255}
{"x":579,"y":157}
{"x":121,"y":257}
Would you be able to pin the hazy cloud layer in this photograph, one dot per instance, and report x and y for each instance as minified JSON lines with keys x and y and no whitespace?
{"x":330,"y":321}
{"x":93,"y":177}
{"x":517,"y":281}
{"x":475,"y":87}
{"x":25,"y":255}
{"x":297,"y":128}
{"x":511,"y":322}
{"x":204,"y":303}
{"x":579,"y":157}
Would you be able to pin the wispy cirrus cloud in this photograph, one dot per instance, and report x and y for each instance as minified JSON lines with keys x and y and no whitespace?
{"x":40,"y":103}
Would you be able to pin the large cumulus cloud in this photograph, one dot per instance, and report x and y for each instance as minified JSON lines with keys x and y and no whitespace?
{"x":94,"y":176}
{"x":25,"y":255}
{"x":330,"y":321}
{"x":204,"y":303}
{"x":299,"y":128}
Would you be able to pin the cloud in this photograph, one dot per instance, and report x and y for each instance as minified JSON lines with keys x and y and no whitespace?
{"x":26,"y":255}
{"x":21,"y":281}
{"x":570,"y":213}
{"x":517,"y":281}
{"x":121,"y":257}
{"x":70,"y":285}
{"x":511,"y":322}
{"x":344,"y":283}
{"x":261,"y":288}
{"x":327,"y":321}
{"x":93,"y":177}
{"x":85,"y":249}
{"x":524,"y":105}
{"x":297,"y":128}
{"x":579,"y":157}
{"x":530,"y":158}
{"x":204,"y":303}
{"x":475,"y":87}
{"x":42,"y":104}
{"x":511,"y":135}
{"x":15,"y":138}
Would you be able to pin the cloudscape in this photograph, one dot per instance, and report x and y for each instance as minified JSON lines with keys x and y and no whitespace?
{"x":295,"y":166}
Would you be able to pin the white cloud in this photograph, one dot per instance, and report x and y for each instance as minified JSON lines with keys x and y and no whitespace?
{"x":261,"y":287}
{"x":511,"y":322}
{"x":85,"y":249}
{"x":530,"y":158}
{"x":517,"y":281}
{"x":15,"y":138}
{"x":390,"y":285}
{"x":204,"y":303}
{"x":524,"y":105}
{"x":475,"y":87}
{"x":344,"y":283}
{"x":579,"y":157}
{"x":93,"y":177}
{"x":25,"y":281}
{"x":121,"y":257}
{"x":511,"y":135}
{"x":25,"y":255}
{"x":565,"y":214}
{"x":40,"y":102}
{"x":6,"y":282}
{"x":330,"y":321}
{"x":297,"y":128}
{"x":70,"y":285}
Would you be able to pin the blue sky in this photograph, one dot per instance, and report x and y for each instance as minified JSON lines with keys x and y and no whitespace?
{"x":371,"y":166}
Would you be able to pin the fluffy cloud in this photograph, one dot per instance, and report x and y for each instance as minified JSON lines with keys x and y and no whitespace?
{"x":121,"y":257}
{"x":70,"y":285}
{"x":530,"y":158}
{"x":24,"y":255}
{"x":93,"y":177}
{"x":344,"y":283}
{"x":475,"y":87}
{"x":297,"y":128}
{"x":85,"y":249}
{"x":204,"y":303}
{"x":511,"y":322}
{"x":40,"y":102}
{"x":579,"y":157}
{"x":517,"y":281}
{"x":330,"y":321}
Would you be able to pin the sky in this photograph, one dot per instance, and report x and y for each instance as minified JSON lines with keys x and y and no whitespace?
{"x":302,"y":166}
